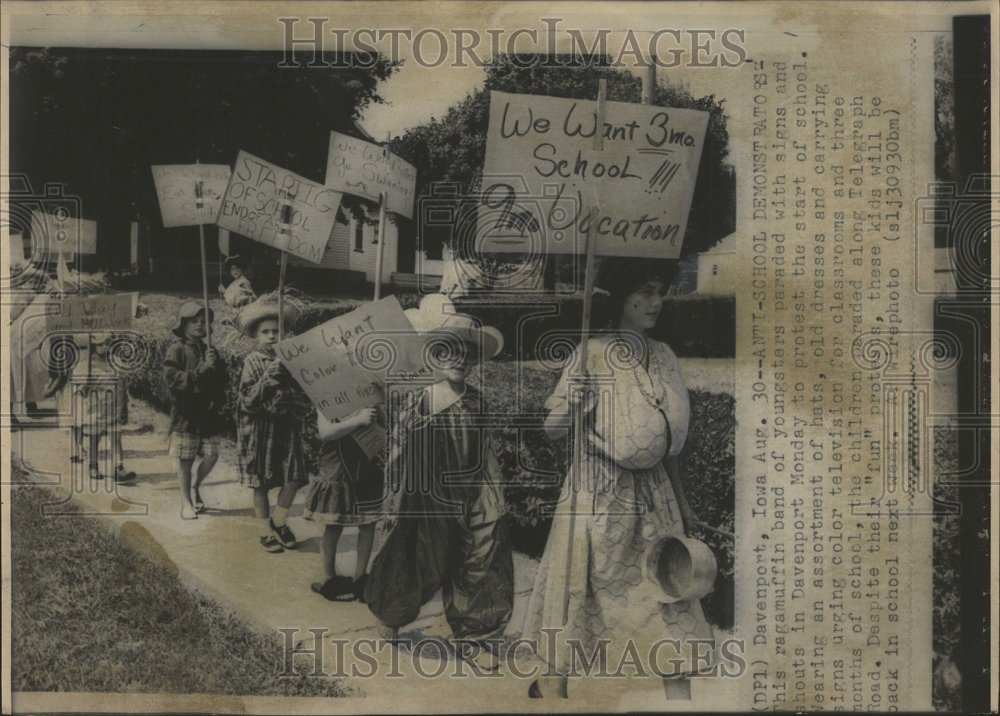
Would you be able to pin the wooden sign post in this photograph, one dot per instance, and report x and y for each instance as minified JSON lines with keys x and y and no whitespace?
{"x":199,"y":202}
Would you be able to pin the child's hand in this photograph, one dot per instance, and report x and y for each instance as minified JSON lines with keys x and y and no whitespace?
{"x":222,"y":289}
{"x":211,"y":356}
{"x":366,"y":416}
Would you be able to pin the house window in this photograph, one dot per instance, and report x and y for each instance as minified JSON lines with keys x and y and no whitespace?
{"x":715,"y":269}
{"x":359,"y":235}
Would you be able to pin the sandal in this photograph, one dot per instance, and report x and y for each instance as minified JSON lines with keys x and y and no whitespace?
{"x":76,"y":459}
{"x":123,"y":476}
{"x":95,"y":472}
{"x":199,"y":504}
{"x":270,"y":544}
{"x":334,"y":588}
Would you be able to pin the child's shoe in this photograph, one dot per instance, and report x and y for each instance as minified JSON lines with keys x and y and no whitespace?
{"x":284,"y":535}
{"x":271,"y":544}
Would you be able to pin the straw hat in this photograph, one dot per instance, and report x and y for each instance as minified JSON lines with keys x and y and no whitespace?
{"x":189,"y":309}
{"x":679,"y":568}
{"x":436,"y":316}
{"x":265,"y":309}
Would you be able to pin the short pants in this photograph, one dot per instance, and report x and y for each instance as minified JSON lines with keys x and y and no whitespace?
{"x":187,"y":446}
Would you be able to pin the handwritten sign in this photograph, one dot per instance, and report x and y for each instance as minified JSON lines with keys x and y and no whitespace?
{"x":94,"y":314}
{"x":343,"y":364}
{"x":363,"y":169}
{"x":178,"y":187}
{"x":61,"y":232}
{"x":276,"y":207}
{"x":542,"y":174}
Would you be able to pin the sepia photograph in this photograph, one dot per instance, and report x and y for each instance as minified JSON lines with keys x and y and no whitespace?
{"x":466,"y":357}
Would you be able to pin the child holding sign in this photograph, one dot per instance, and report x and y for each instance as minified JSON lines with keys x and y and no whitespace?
{"x":348,"y":492}
{"x":271,"y":416}
{"x":452,"y":530}
{"x":195,"y":378}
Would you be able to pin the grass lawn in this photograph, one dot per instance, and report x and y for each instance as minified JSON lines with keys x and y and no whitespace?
{"x":89,"y":614}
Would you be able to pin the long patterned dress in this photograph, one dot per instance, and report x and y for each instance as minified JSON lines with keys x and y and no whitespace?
{"x":451,"y":532}
{"x":619,"y":513}
{"x":275,"y":443}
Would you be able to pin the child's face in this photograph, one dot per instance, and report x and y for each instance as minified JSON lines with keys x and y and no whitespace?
{"x":267,"y":333}
{"x":194,"y":327}
{"x":642,"y":308}
{"x":457,"y":363}
{"x":235,"y":271}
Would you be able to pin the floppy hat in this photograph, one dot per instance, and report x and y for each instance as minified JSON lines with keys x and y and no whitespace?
{"x":189,"y":309}
{"x":679,"y":568}
{"x":264,"y":309}
{"x":436,"y":317}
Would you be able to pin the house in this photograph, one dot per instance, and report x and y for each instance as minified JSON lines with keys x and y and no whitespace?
{"x":353,"y":246}
{"x":718,"y":268}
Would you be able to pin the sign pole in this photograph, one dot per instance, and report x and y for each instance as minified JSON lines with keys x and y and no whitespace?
{"x":381,"y":246}
{"x":579,"y":433}
{"x":281,"y":295}
{"x":199,"y":203}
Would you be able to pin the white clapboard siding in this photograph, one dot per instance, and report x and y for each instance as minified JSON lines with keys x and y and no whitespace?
{"x":337,"y":253}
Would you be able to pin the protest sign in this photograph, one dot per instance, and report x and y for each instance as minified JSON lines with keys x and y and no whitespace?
{"x":255,"y":206}
{"x":93,"y":314}
{"x":342,"y":364}
{"x":360,"y":168}
{"x":57,"y":232}
{"x":177,"y":187}
{"x":542,"y":171}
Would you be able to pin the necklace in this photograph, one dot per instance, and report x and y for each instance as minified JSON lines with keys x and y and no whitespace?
{"x":654,"y":369}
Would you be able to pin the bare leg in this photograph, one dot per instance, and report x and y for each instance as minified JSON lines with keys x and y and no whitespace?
{"x":261,"y":505}
{"x":204,"y":467}
{"x":677,"y":688}
{"x":366,"y":538}
{"x":94,"y":460}
{"x":184,"y":479}
{"x":331,"y":536}
{"x":286,"y":495}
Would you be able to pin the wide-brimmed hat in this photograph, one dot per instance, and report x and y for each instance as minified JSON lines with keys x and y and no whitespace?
{"x":189,"y":309}
{"x":436,"y":317}
{"x":265,"y":309}
{"x":235,"y":260}
{"x":679,"y":568}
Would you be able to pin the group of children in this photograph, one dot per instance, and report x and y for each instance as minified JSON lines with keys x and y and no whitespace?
{"x":448,"y":527}
{"x":453,"y":536}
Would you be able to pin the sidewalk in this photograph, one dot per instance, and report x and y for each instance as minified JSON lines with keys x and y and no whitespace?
{"x":219,"y":555}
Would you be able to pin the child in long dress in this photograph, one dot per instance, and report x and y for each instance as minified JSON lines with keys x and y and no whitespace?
{"x":451,"y":531}
{"x":272,"y":416}
{"x":629,"y":494}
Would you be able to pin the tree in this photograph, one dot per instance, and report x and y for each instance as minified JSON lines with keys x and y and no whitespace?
{"x":453,"y":148}
{"x":95,"y":120}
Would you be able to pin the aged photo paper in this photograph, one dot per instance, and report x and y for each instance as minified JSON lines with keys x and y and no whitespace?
{"x":460,"y":357}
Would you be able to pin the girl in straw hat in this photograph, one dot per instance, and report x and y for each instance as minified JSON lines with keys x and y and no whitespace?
{"x":451,"y":532}
{"x":271,"y":416}
{"x":635,"y":412}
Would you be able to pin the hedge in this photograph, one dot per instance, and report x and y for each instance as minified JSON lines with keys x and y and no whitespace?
{"x":534,"y":466}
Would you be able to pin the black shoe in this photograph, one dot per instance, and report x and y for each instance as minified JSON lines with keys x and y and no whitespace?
{"x":334,"y":588}
{"x":123,"y":476}
{"x":358,"y":588}
{"x":271,"y":544}
{"x":284,"y":535}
